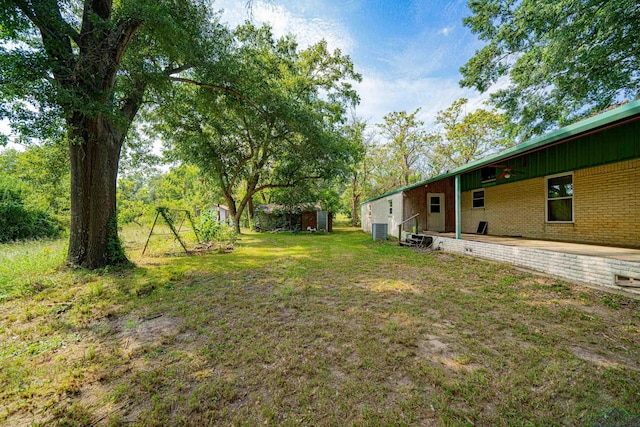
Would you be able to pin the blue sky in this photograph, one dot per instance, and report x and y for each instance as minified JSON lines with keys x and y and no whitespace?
{"x":408,"y":52}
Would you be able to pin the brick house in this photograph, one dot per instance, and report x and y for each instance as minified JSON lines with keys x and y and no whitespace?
{"x":579,"y":184}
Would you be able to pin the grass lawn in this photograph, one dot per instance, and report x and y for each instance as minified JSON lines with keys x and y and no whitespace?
{"x":308,"y":329}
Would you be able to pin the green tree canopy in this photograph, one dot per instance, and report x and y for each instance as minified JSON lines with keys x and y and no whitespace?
{"x":565,"y":59}
{"x":466,"y":136}
{"x":279,"y":126}
{"x":82,"y":70}
{"x":361,"y":142}
{"x":406,"y":144}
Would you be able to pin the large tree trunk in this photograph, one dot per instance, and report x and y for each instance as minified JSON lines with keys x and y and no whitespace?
{"x":236,"y":222}
{"x":355,"y":198}
{"x":246,"y":200}
{"x":95,"y":153}
{"x":354,"y":210}
{"x":233,"y":210}
{"x":250,"y":211}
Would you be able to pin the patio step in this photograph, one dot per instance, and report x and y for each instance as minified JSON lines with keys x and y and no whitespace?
{"x":417,"y":241}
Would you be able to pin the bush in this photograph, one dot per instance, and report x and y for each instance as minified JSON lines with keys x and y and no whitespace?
{"x":18,"y":222}
{"x":210,"y":230}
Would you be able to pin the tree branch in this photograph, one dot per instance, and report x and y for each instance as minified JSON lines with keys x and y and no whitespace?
{"x":176,"y":70}
{"x":39,"y":21}
{"x":224,"y":89}
{"x":287,"y":185}
{"x":56,"y":36}
{"x":132,"y":103}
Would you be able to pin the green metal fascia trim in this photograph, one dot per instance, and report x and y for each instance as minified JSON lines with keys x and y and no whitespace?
{"x":382,"y":196}
{"x":608,"y":117}
{"x":623,"y":112}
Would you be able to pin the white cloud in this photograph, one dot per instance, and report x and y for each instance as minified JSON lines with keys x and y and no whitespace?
{"x":381,"y":95}
{"x":446,"y":30}
{"x":407,"y":86}
{"x":308,"y":30}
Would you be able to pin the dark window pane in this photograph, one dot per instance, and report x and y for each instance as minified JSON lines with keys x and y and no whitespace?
{"x":478,"y":199}
{"x":560,"y":186}
{"x":560,"y":210}
{"x":434,"y":203}
{"x":488,"y":174}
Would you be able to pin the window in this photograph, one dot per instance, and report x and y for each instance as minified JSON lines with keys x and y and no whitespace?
{"x":560,"y":198}
{"x":488,"y":174}
{"x":390,"y":207}
{"x":478,"y":199}
{"x":369,"y":209}
{"x":434,"y":204}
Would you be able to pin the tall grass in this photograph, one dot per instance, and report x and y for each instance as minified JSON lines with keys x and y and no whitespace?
{"x":25,"y":266}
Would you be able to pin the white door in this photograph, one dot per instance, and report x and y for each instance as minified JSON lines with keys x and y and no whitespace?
{"x":435,"y":211}
{"x":321,"y":223}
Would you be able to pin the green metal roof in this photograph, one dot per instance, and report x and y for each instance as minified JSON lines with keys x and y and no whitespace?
{"x":390,"y":193}
{"x":623,"y":112}
{"x":592,"y":123}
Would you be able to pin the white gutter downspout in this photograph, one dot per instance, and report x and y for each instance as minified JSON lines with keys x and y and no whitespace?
{"x":457,"y":203}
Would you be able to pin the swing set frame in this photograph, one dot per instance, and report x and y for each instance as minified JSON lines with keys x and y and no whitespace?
{"x":163,"y":212}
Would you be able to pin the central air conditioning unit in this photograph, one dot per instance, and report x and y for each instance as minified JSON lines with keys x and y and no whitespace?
{"x":379,"y":231}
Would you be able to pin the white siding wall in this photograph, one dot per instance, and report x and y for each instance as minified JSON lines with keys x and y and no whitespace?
{"x":224,"y":214}
{"x":365,"y":218}
{"x":379,"y":213}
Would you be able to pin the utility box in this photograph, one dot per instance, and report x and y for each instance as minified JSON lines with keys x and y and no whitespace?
{"x":379,"y":231}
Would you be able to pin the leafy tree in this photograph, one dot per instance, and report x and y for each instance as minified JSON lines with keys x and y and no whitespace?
{"x":406,"y":143}
{"x":325,"y":193}
{"x":138,"y":160}
{"x":282,"y":130}
{"x":185,"y":187}
{"x":182,"y":187}
{"x":361,"y":143}
{"x":131,"y":207}
{"x":466,"y":136}
{"x":9,"y":162}
{"x":138,"y":172}
{"x":565,"y":59}
{"x":83,"y":69}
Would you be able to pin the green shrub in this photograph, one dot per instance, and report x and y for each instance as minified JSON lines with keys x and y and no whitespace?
{"x":18,"y":222}
{"x":210,"y":230}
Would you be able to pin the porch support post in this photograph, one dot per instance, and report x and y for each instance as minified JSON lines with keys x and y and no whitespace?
{"x":458,"y":213}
